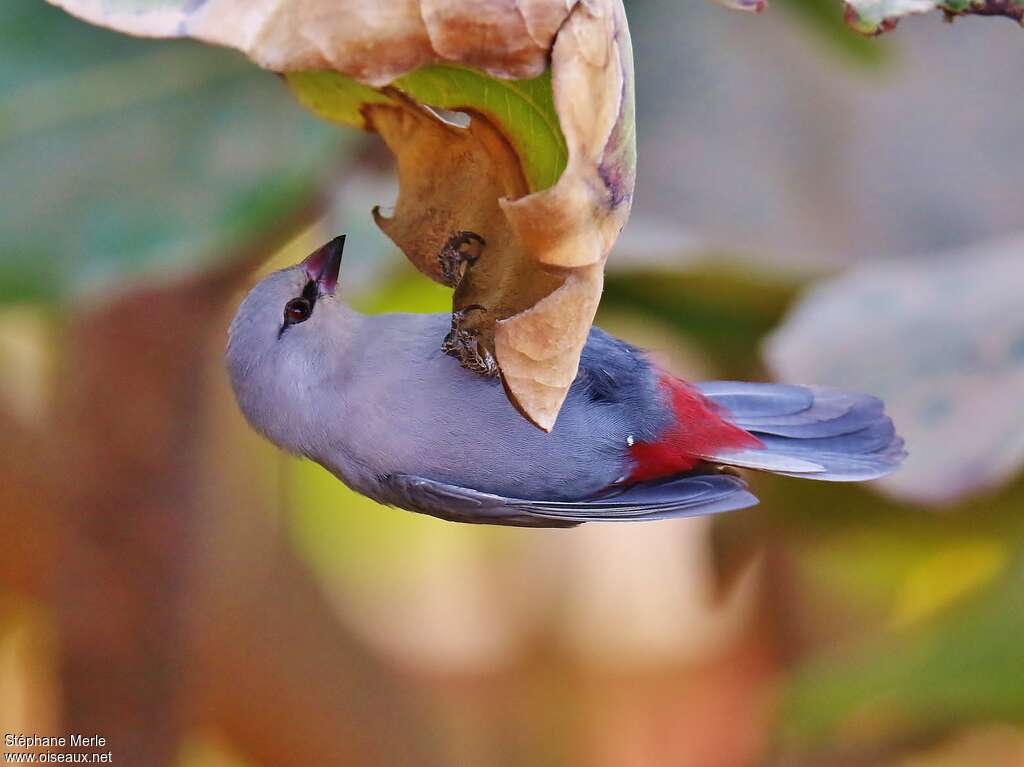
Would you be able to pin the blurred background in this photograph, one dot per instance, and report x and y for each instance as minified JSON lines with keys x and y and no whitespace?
{"x":811,"y":206}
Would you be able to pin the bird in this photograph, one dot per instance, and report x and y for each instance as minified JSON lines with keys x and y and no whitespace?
{"x":375,"y":401}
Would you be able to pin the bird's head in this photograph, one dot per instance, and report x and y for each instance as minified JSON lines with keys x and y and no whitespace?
{"x":287,"y":334}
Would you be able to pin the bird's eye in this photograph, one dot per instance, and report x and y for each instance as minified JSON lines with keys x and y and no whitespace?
{"x":297,"y":310}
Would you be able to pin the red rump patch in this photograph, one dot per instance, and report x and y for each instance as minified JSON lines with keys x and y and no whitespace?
{"x":700,"y":429}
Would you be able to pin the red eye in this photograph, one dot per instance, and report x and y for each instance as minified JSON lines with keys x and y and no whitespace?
{"x":297,"y":310}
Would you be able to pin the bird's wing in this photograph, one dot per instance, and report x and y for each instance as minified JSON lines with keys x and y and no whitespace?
{"x":457,"y":504}
{"x":682,"y":496}
{"x":808,"y":431}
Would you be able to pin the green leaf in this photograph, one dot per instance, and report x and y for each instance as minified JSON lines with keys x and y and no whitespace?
{"x":524,"y":109}
{"x":122,"y":157}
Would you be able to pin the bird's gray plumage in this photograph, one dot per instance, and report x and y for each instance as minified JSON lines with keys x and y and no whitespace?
{"x":375,"y":401}
{"x":682,"y":496}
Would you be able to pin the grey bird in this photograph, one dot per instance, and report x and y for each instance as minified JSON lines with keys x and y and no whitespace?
{"x":375,"y":401}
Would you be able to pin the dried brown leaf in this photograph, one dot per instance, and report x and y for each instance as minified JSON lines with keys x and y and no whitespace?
{"x":541,"y":250}
{"x":574,"y":224}
{"x":373,"y":42}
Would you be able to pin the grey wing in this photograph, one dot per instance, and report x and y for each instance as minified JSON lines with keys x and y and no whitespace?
{"x":810,"y":431}
{"x":681,"y":496}
{"x":457,"y":504}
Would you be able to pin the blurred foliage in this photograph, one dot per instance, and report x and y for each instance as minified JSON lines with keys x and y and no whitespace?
{"x":724,"y":305}
{"x":121,"y":156}
{"x":825,"y":20}
{"x":940,"y":595}
{"x":963,"y":668}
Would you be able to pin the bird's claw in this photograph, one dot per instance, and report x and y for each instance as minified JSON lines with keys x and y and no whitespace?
{"x":464,"y":344}
{"x":461,"y":251}
{"x":460,"y":314}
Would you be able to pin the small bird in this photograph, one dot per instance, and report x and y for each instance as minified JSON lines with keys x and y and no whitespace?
{"x":375,"y":401}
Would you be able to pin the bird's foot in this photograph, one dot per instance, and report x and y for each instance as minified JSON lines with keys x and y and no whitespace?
{"x":464,"y":344}
{"x":459,"y":253}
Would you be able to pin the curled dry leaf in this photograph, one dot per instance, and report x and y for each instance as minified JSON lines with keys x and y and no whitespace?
{"x":516,"y":210}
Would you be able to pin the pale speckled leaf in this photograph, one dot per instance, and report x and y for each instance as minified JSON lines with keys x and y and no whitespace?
{"x":942,"y":341}
{"x":872,"y":17}
{"x":875,"y":16}
{"x":571,"y":134}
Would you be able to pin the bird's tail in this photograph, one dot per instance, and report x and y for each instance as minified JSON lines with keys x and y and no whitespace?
{"x":808,"y":431}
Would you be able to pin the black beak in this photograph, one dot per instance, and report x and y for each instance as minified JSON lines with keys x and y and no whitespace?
{"x":324,"y":265}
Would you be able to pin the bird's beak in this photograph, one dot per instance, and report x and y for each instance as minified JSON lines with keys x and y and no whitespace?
{"x":324,"y":264}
